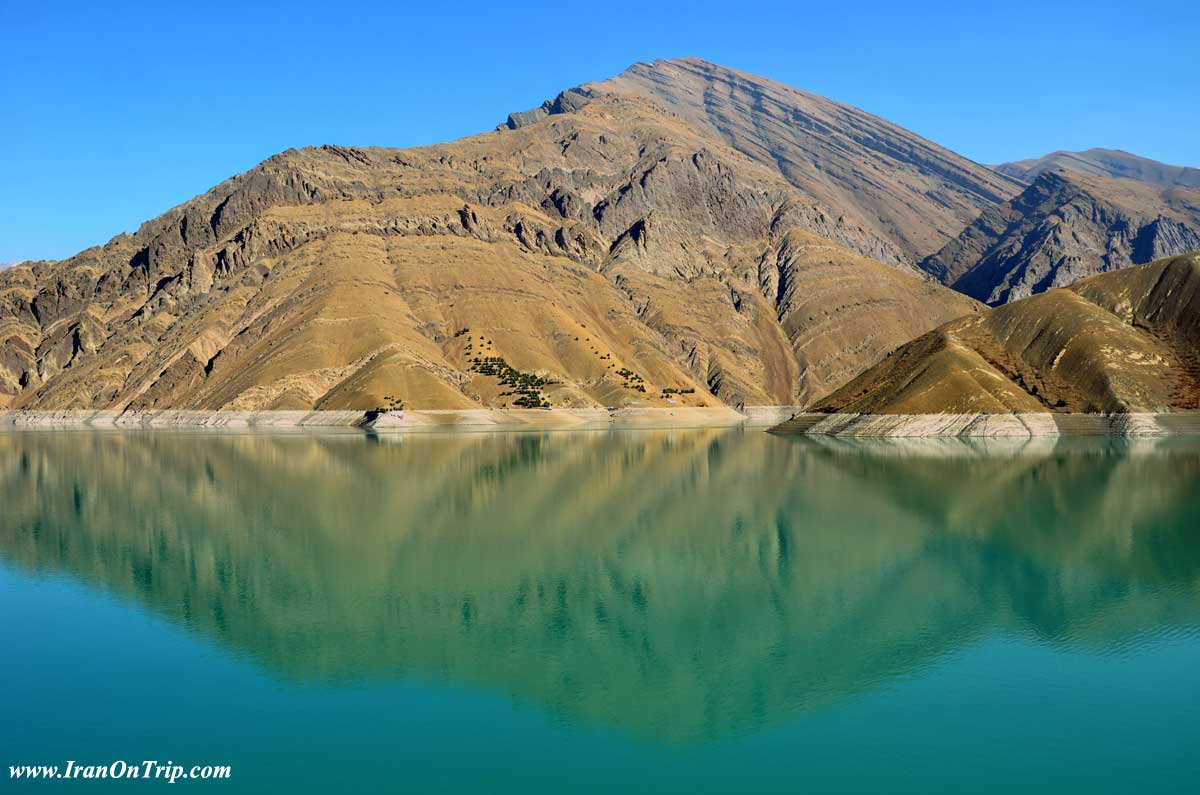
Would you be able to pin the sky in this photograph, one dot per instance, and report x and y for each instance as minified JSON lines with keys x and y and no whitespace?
{"x":111,"y":113}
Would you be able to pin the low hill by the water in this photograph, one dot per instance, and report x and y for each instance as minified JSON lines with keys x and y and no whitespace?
{"x":1127,"y":341}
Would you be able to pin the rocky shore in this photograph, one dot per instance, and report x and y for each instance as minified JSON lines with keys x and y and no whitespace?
{"x":778,"y":419}
{"x":991,"y":425}
{"x":413,"y":421}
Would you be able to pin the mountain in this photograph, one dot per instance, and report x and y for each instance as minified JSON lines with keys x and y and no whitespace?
{"x":903,"y":188}
{"x":1105,"y":163}
{"x":1126,"y":341}
{"x":613,"y":244}
{"x":1066,"y":226}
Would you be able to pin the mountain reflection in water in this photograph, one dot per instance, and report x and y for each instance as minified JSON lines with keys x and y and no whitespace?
{"x":682,"y":585}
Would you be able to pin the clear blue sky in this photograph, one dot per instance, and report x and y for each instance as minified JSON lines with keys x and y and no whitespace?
{"x":113,"y":112}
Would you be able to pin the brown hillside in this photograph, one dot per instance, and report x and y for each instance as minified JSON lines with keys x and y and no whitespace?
{"x":1119,"y":342}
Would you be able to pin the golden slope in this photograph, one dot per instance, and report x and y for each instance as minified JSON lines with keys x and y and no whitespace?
{"x":1125,"y":341}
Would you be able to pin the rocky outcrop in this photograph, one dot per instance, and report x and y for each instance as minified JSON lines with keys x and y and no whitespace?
{"x":566,"y":102}
{"x":1064,"y":227}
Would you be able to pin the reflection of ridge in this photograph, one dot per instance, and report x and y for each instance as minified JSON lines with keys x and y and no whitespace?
{"x":679,"y":584}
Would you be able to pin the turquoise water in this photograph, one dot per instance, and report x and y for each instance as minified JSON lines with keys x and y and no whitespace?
{"x":702,"y":611}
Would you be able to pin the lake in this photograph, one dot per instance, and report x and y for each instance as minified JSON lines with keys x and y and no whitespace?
{"x":684,"y":611}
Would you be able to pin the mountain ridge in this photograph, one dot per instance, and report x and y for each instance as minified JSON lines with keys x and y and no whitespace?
{"x":1101,"y":162}
{"x":617,"y":254}
{"x":1063,"y":227}
{"x":903,"y":187}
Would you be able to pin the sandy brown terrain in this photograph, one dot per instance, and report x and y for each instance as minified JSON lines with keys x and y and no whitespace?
{"x":1125,"y":341}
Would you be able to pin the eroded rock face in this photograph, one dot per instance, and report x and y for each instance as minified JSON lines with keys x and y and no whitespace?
{"x":1064,"y":227}
{"x":602,"y":237}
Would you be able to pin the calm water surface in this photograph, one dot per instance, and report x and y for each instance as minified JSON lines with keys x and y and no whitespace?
{"x":603,"y":612}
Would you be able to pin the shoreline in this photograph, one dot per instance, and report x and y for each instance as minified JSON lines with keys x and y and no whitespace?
{"x":409,"y":421}
{"x":991,"y":425}
{"x":783,"y":420}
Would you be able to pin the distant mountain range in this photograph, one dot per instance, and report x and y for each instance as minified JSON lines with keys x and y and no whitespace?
{"x":1064,"y":227}
{"x":680,"y":234}
{"x":1105,"y":163}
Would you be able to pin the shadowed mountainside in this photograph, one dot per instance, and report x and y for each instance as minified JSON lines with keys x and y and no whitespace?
{"x":599,"y":255}
{"x":682,"y":586}
{"x":1064,"y":227}
{"x":1125,"y":341}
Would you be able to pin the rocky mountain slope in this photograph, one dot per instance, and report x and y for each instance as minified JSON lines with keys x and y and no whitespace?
{"x":1105,"y":163}
{"x":1126,"y":341}
{"x":612,"y":250}
{"x":903,"y":188}
{"x":1066,"y":226}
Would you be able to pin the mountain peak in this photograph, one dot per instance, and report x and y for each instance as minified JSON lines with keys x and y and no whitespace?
{"x":685,"y":64}
{"x":684,"y":60}
{"x":879,"y":176}
{"x":663,"y":70}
